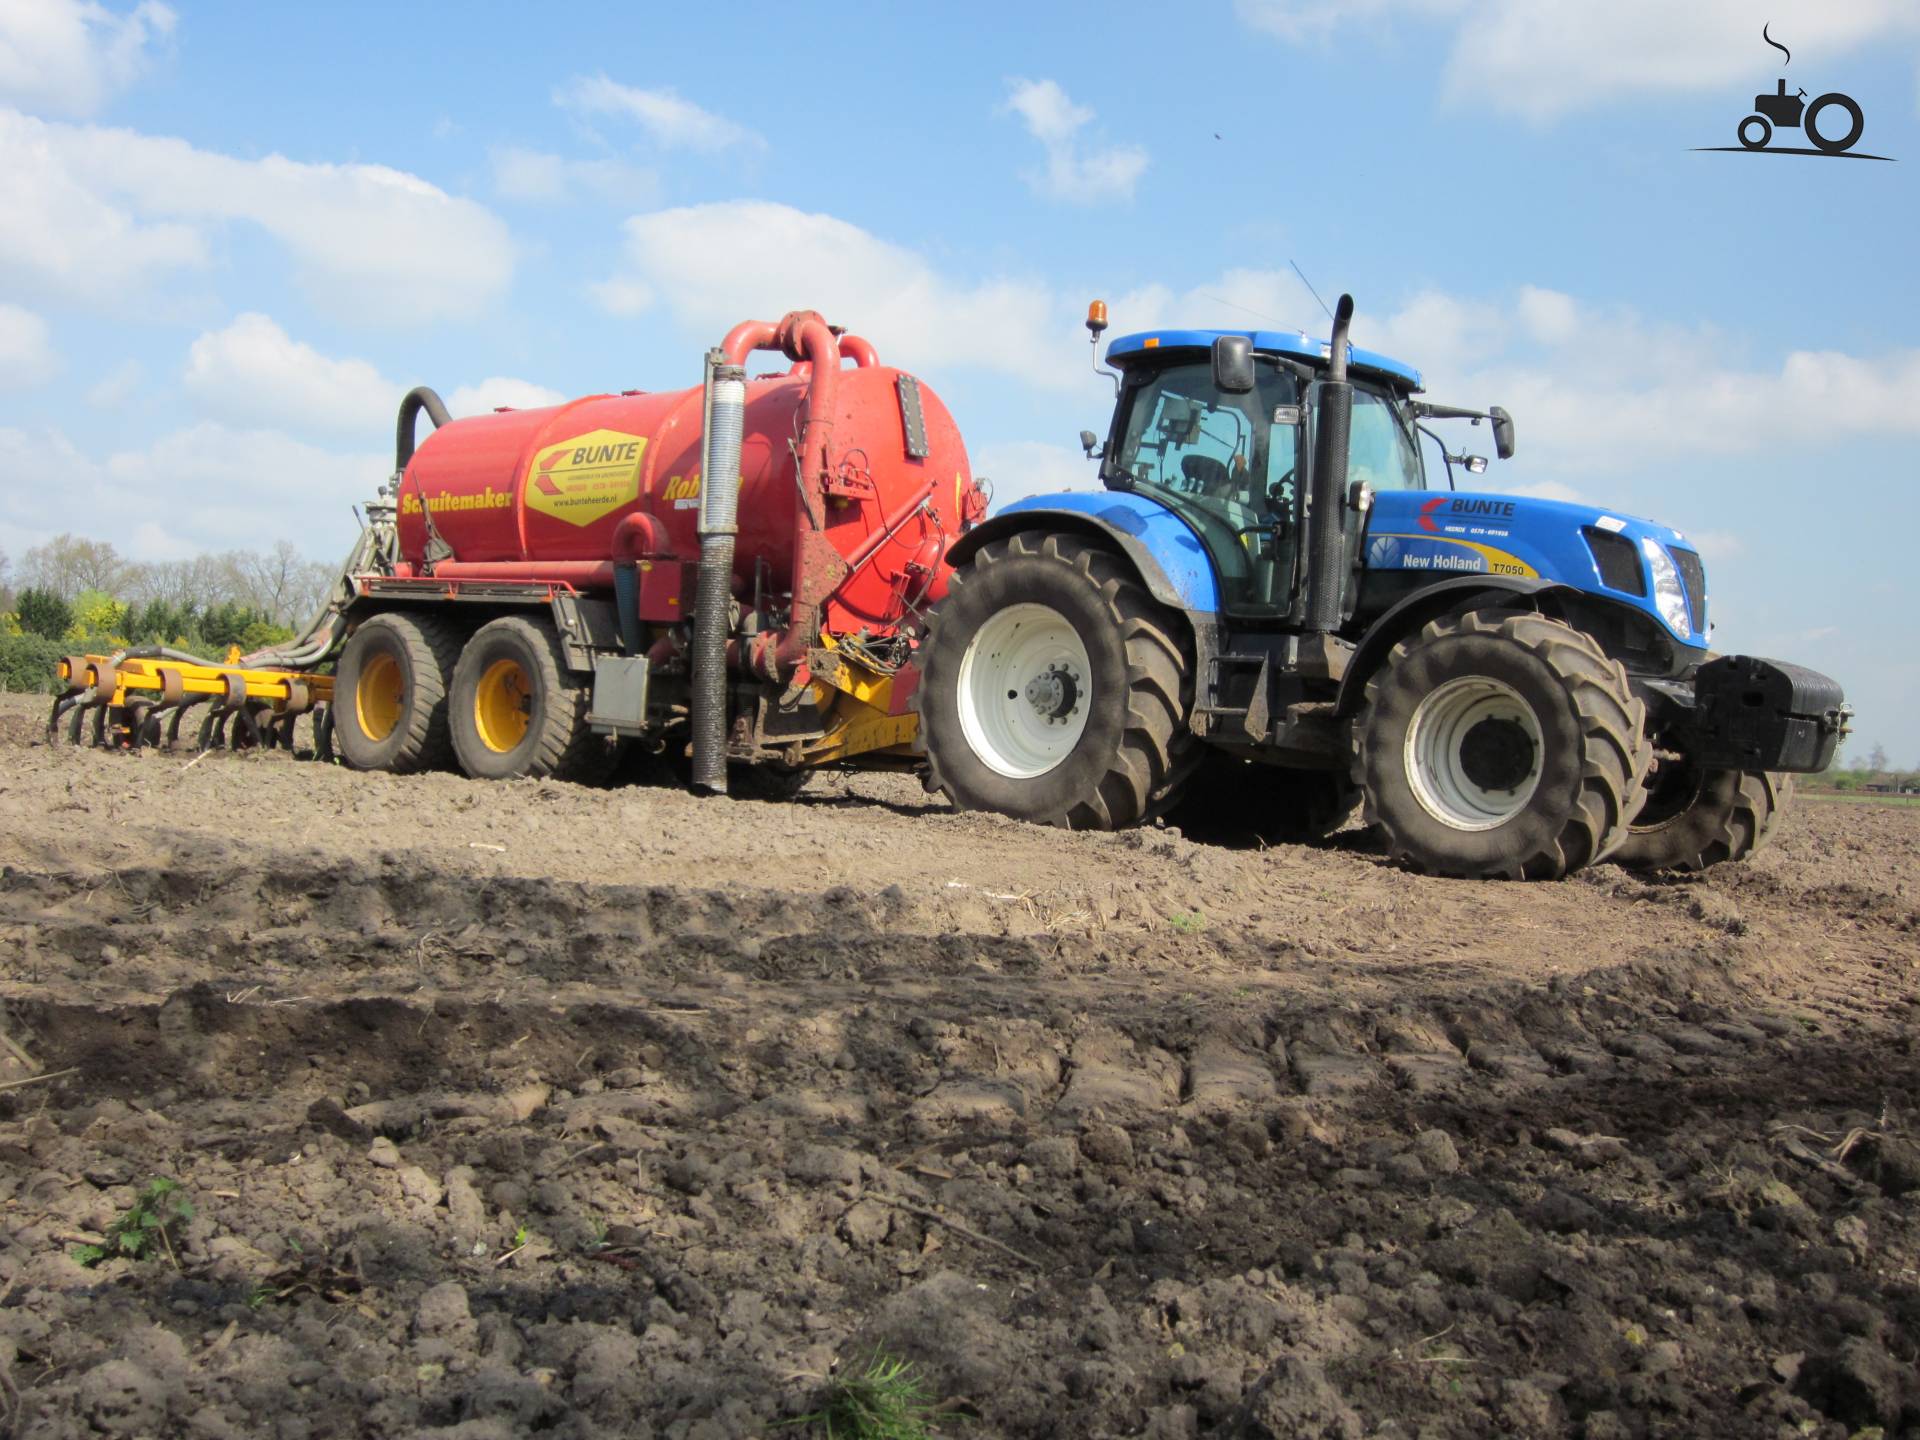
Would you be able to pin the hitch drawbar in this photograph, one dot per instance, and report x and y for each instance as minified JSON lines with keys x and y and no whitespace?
{"x":1754,"y":714}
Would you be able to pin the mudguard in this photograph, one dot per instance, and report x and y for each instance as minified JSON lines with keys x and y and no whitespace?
{"x":1172,"y":562}
{"x":1413,"y":612}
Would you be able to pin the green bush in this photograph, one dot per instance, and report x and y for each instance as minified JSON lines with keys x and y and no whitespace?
{"x":27,"y":664}
{"x":44,"y":613}
{"x":261,"y":634}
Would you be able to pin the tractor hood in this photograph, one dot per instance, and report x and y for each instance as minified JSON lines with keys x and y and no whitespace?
{"x":1631,"y":561}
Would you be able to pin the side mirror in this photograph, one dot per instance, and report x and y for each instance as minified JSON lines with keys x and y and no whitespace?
{"x":1087,"y":441}
{"x":1233,"y":365}
{"x":1502,"y":433}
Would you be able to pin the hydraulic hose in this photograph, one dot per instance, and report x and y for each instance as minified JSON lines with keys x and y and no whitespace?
{"x":713,"y":587}
{"x":417,"y":399}
{"x":1327,"y":498}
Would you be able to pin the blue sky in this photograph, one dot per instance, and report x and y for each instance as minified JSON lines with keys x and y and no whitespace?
{"x":234,"y":233}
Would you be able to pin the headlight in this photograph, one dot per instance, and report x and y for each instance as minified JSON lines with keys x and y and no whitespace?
{"x":1669,"y":596}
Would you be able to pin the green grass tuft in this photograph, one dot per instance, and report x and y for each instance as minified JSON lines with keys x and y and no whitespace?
{"x":885,"y":1401}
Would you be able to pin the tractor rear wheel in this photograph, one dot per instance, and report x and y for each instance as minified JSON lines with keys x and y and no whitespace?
{"x":1501,"y":744}
{"x":1054,"y":689}
{"x":1695,"y":817}
{"x":390,"y":695}
{"x":517,"y":712}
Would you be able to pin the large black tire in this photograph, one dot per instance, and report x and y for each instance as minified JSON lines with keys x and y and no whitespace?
{"x":518,"y":713}
{"x":1586,"y":767}
{"x":390,"y":694}
{"x":1134,"y":751}
{"x":1231,"y":801}
{"x":1700,"y":817}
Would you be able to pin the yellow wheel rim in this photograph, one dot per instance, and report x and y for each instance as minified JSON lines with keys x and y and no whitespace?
{"x":503,"y":706}
{"x":377,"y":698}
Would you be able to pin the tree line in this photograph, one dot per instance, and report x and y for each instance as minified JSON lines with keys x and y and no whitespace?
{"x":73,"y":593}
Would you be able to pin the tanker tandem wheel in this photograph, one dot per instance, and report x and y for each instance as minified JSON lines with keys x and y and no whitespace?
{"x":516,"y":712}
{"x":390,"y":693}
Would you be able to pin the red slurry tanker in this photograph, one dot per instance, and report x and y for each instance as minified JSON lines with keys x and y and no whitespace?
{"x":528,"y":589}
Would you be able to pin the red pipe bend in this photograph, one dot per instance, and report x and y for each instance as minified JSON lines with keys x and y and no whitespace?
{"x":860,"y":351}
{"x":637,"y":537}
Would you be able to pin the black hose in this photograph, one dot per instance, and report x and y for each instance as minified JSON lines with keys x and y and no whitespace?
{"x":417,"y":399}
{"x":1332,"y":433}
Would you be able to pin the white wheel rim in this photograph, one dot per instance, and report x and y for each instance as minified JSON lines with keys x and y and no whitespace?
{"x":1473,"y":753}
{"x":1024,"y":691}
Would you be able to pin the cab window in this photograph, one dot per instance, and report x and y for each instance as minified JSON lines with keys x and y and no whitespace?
{"x":1382,"y":452}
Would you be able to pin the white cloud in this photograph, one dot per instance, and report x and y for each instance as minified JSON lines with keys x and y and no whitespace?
{"x":669,"y":121}
{"x":117,"y":386}
{"x":1021,"y":468}
{"x":26,"y":357}
{"x":624,"y":297}
{"x":1717,"y":545}
{"x":498,"y":390}
{"x":1314,"y":21}
{"x":1543,"y":60}
{"x":1074,"y":173}
{"x":206,"y":487}
{"x":536,"y":177}
{"x":56,"y":230}
{"x":97,"y":212}
{"x":254,"y":373}
{"x":713,"y":265}
{"x":68,"y":57}
{"x":1579,"y":377}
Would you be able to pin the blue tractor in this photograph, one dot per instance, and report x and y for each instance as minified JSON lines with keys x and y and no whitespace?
{"x":1270,"y":618}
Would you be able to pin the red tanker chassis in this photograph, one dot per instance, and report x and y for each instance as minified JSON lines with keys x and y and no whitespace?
{"x":532,"y":587}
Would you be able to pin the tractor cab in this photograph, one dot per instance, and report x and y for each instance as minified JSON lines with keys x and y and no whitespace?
{"x":1218,"y":426}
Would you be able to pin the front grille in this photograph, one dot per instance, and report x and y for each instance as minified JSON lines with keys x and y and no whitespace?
{"x":1618,"y":560}
{"x":1693,"y":575}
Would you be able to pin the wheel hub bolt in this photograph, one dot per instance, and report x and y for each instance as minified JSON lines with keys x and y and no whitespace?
{"x":1054,"y":694}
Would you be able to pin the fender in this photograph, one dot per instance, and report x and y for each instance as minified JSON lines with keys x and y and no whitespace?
{"x":1416,"y":610}
{"x":1171,"y":561}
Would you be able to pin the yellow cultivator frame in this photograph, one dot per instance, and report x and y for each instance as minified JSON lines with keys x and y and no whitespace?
{"x":129,"y":702}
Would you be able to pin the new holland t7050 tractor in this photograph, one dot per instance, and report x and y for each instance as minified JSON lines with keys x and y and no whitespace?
{"x":1272,"y":616}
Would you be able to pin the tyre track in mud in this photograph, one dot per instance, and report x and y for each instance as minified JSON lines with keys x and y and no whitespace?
{"x":1115,"y":1135}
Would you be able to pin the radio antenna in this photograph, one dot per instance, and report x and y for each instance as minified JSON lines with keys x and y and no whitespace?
{"x":1310,"y":290}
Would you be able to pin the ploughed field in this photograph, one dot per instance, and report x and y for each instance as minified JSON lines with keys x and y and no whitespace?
{"x":525,"y":1108}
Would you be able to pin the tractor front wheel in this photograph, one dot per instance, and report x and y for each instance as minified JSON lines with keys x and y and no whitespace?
{"x":1501,"y":744}
{"x":1695,"y":817}
{"x":1054,"y":689}
{"x":390,"y":695}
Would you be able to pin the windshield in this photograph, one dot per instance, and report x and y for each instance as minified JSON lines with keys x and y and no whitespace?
{"x":1382,"y":452}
